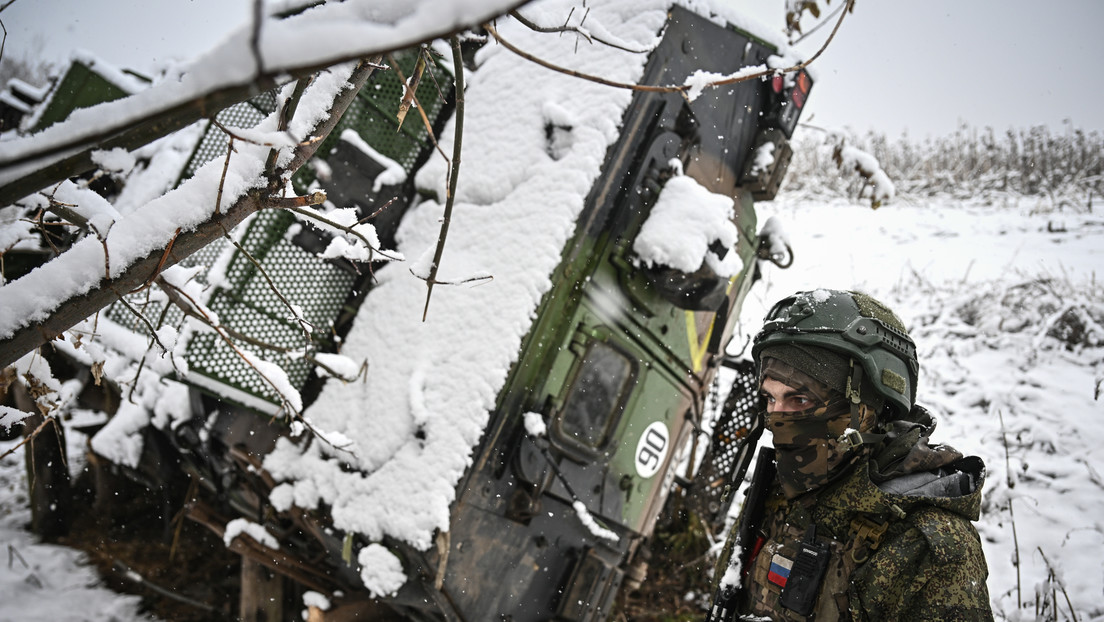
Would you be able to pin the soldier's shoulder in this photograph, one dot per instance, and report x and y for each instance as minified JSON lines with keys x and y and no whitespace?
{"x":950,"y":537}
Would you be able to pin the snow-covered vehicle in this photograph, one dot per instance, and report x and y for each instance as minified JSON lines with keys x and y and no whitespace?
{"x":507,"y":457}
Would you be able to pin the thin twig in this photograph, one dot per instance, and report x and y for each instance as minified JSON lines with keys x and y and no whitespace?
{"x":286,"y":113}
{"x":160,"y":264}
{"x":470,"y":279}
{"x":125,"y":571}
{"x":225,"y":168}
{"x":225,"y":336}
{"x":188,"y":310}
{"x":221,"y":332}
{"x":411,"y":87}
{"x":315,"y":198}
{"x":575,"y":29}
{"x":421,"y":110}
{"x":377,"y":212}
{"x":458,"y":136}
{"x":683,"y":88}
{"x":326,"y":221}
{"x":107,"y":252}
{"x":149,"y":326}
{"x":29,"y":437}
{"x":305,"y":325}
{"x":255,"y":36}
{"x":822,"y":23}
{"x":1058,"y":580}
{"x":1011,"y":515}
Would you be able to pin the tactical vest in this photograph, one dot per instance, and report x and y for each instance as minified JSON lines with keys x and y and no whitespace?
{"x":803,"y":575}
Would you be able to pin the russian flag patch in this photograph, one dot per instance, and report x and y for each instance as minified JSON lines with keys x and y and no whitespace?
{"x":779,"y":570}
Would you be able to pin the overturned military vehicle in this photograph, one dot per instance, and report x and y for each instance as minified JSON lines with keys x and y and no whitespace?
{"x":501,"y":449}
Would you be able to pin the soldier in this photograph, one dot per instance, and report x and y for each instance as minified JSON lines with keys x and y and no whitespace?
{"x":852,"y":515}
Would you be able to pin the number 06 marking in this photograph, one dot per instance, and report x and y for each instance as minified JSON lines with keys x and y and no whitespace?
{"x":651,"y":449}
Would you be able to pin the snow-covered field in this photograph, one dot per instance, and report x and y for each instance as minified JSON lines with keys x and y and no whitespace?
{"x":1003,"y":299}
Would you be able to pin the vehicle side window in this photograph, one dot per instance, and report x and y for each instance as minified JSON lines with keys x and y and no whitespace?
{"x":596,"y":395}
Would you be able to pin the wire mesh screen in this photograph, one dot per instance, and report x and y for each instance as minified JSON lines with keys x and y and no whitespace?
{"x":251,"y":306}
{"x":243,"y":115}
{"x":243,"y":286}
{"x":211,"y":145}
{"x":736,"y":425}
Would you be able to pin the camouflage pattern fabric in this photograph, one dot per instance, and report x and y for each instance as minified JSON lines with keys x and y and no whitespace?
{"x":907,"y":450}
{"x":771,"y":366}
{"x":893,"y":557}
{"x":808,"y":450}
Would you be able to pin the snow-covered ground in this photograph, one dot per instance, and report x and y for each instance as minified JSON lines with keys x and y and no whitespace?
{"x":46,"y":582}
{"x":1004,"y":300}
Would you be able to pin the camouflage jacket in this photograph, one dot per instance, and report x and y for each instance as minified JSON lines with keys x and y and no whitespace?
{"x":901,"y":550}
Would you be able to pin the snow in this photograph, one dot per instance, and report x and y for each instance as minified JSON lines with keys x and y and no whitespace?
{"x":319,"y":36}
{"x":987,"y":287}
{"x":591,"y":524}
{"x":686,"y":220}
{"x":86,"y":204}
{"x":41,"y":581}
{"x":380,"y":570}
{"x":867,"y":165}
{"x":239,"y":526}
{"x":535,"y":425}
{"x":393,"y":172}
{"x":114,"y":75}
{"x":764,"y":158}
{"x":115,"y":160}
{"x":699,"y":80}
{"x":32,"y":91}
{"x":314,"y":599}
{"x":14,"y":102}
{"x":337,"y":365}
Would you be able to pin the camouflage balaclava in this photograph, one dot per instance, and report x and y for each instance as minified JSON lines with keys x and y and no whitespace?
{"x":808,"y":450}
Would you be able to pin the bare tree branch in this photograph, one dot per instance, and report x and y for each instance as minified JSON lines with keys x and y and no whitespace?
{"x":681,"y":88}
{"x":74,"y":310}
{"x":344,"y":229}
{"x":458,"y":84}
{"x":54,"y":162}
{"x":575,"y":29}
{"x":418,"y":105}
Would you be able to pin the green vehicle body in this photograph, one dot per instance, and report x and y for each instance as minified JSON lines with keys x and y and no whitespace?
{"x":617,"y":364}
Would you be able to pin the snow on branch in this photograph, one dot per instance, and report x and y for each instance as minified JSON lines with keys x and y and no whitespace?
{"x":691,"y":88}
{"x":868,"y":167}
{"x":43,"y":304}
{"x":238,"y":68}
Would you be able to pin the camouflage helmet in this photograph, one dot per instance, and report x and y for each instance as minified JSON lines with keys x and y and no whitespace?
{"x":855,"y":325}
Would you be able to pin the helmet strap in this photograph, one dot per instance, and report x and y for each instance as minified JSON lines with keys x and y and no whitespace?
{"x":855,"y":438}
{"x":853,"y":392}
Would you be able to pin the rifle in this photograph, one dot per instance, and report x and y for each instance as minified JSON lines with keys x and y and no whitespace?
{"x":726,"y":598}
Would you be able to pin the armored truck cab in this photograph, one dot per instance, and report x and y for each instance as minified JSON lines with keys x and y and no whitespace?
{"x":597,"y":415}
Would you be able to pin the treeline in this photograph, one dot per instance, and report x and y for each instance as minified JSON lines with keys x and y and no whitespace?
{"x":1066,"y":165}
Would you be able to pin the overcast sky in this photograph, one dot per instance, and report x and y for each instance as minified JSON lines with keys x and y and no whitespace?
{"x":925,"y":66}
